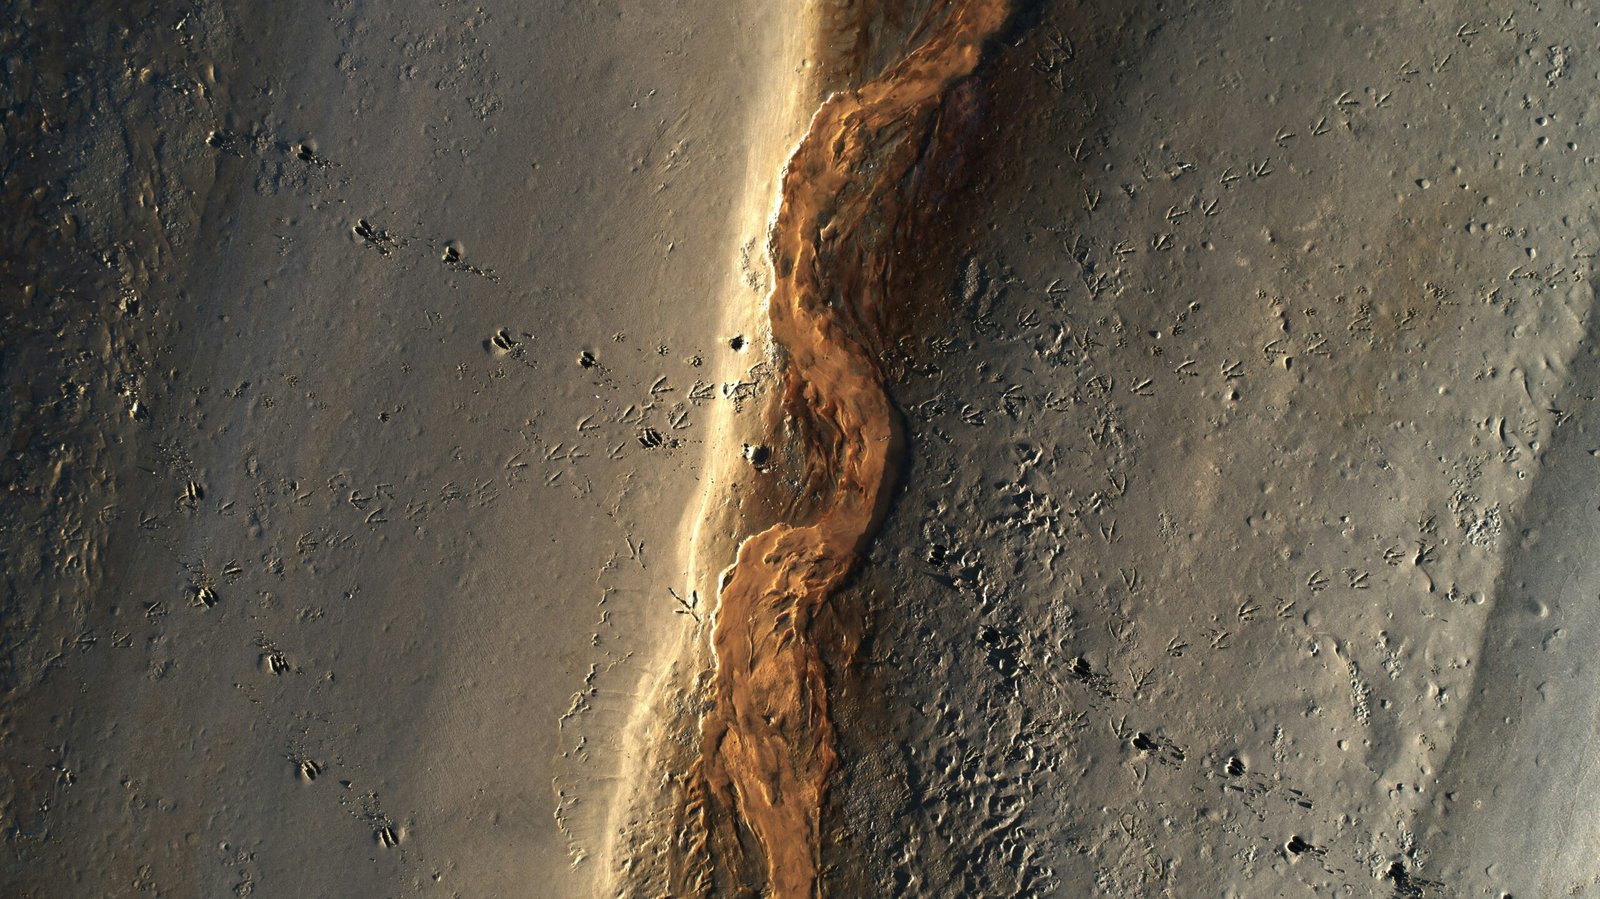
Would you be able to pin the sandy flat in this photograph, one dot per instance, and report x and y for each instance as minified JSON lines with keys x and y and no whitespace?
{"x":388,"y":387}
{"x":393,"y":549}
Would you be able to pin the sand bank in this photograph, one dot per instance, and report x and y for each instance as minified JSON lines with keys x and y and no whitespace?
{"x":391,"y":555}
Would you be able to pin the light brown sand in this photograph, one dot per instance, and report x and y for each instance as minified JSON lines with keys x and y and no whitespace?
{"x":390,"y":638}
{"x":368,"y":371}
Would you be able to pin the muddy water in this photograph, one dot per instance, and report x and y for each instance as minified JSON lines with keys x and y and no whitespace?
{"x":767,"y":745}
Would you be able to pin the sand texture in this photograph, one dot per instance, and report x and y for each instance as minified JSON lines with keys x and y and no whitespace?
{"x":941,"y":448}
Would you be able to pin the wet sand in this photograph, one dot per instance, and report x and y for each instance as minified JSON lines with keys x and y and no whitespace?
{"x":448,"y":453}
{"x":389,"y":558}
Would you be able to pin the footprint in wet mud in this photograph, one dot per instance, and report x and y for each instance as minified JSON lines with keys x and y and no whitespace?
{"x":1157,"y":747}
{"x":1083,"y":670}
{"x":1298,"y":845}
{"x":506,"y":344}
{"x":306,"y":152}
{"x":504,"y":341}
{"x":193,"y":493}
{"x":1410,"y":886}
{"x":454,"y":257}
{"x":203,"y":596}
{"x":380,"y":239}
{"x":1004,"y":651}
{"x":652,"y":438}
{"x":226,"y":141}
{"x":759,"y":456}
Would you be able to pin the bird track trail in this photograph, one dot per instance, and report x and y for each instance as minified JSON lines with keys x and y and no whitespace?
{"x":767,"y":744}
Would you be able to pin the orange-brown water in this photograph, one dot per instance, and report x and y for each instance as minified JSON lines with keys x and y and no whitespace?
{"x":767,"y":745}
